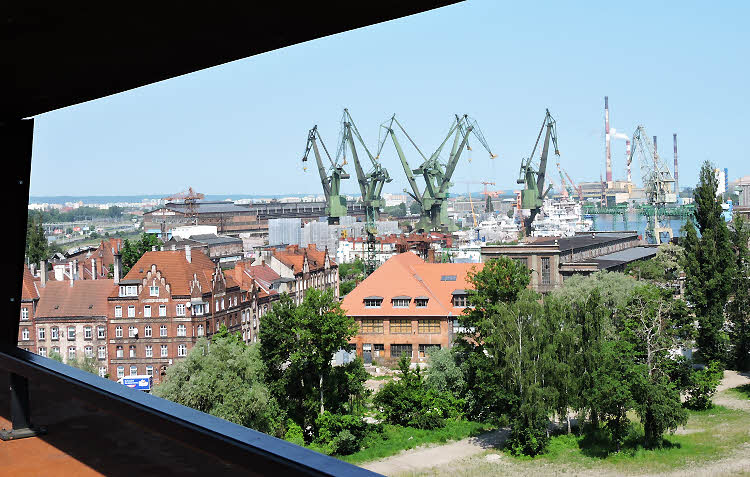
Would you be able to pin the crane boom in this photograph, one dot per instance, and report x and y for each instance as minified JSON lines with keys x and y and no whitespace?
{"x":335,"y":203}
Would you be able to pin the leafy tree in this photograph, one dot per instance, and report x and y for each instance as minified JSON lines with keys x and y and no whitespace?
{"x":738,"y":309}
{"x":709,"y":266}
{"x":347,"y":286}
{"x":37,"y":248}
{"x":488,"y":207}
{"x":702,"y":385}
{"x":443,"y":373}
{"x":223,"y":377}
{"x":133,"y":251}
{"x":353,"y":270}
{"x":415,"y":208}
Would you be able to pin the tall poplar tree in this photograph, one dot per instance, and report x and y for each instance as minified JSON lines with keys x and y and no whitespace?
{"x":709,"y":266}
{"x":738,"y":310}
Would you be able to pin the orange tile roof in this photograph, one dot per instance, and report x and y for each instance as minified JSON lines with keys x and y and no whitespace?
{"x":408,"y":275}
{"x":84,"y":298}
{"x":294,"y":256}
{"x":29,"y":290}
{"x":176,"y":270}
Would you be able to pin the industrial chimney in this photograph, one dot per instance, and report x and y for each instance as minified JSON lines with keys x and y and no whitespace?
{"x":606,"y":140}
{"x":676,"y":181}
{"x":627,"y":158}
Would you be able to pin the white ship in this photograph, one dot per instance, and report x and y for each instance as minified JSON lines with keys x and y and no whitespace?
{"x":560,"y":218}
{"x":497,"y":229}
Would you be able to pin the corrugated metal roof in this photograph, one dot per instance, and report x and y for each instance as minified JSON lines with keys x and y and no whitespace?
{"x":624,"y":256}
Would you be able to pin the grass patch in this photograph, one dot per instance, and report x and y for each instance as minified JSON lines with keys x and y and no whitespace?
{"x":710,"y":435}
{"x":394,"y":439}
{"x":742,"y":392}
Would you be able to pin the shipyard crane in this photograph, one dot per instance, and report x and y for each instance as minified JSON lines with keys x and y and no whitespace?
{"x":658,"y":184}
{"x":567,"y":191}
{"x":370,"y":185}
{"x":335,"y":202}
{"x":532,"y":176}
{"x":577,"y":188}
{"x":437,"y":175}
{"x":190,"y":198}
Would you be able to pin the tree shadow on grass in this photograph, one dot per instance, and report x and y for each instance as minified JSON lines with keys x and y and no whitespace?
{"x":597,"y":443}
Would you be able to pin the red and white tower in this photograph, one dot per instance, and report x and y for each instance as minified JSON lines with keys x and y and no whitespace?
{"x":606,"y":141}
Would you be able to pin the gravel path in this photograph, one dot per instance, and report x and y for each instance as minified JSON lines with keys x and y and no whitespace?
{"x":732,"y":379}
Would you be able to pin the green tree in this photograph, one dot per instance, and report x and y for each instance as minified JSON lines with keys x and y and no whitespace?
{"x":488,"y":207}
{"x":738,"y":309}
{"x":443,"y":373}
{"x":224,"y":377}
{"x":133,"y":251}
{"x":709,"y":266}
{"x":37,"y":247}
{"x":415,"y":208}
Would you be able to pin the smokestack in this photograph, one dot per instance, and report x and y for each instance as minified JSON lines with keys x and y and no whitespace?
{"x":676,"y":174}
{"x":606,"y":140}
{"x":93,"y":269}
{"x":117,"y":268}
{"x":188,"y":255}
{"x":43,"y":271}
{"x":627,"y":157}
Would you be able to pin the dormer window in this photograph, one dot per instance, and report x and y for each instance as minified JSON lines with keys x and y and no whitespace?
{"x":460,"y":298}
{"x":401,"y":301}
{"x":421,"y":301}
{"x":373,"y":301}
{"x":129,"y":290}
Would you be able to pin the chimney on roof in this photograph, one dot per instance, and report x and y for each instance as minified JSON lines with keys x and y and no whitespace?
{"x":161,"y":248}
{"x":174,"y":247}
{"x":43,"y":272}
{"x":72,"y":273}
{"x":188,"y":254}
{"x":153,"y":248}
{"x":93,"y":269}
{"x":32,"y":269}
{"x":81,"y":270}
{"x":117,"y":268}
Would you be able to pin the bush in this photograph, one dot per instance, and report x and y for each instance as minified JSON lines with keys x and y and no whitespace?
{"x":702,"y":386}
{"x":528,"y":438}
{"x":340,"y":433}
{"x":294,"y":433}
{"x":345,"y":443}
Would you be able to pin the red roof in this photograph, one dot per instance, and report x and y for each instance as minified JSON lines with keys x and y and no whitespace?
{"x":293,"y":256}
{"x":262,"y":275}
{"x":29,"y":290}
{"x":407,"y":275}
{"x":85,"y":298}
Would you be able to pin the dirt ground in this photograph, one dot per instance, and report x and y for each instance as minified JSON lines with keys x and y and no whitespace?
{"x":470,"y":456}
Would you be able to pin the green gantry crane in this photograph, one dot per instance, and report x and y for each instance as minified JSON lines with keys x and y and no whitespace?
{"x":370,"y":185}
{"x":437,"y":176}
{"x":533,"y":193}
{"x":335,"y":202}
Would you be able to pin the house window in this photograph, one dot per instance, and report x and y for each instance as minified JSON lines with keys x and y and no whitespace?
{"x":162,"y":310}
{"x":373,"y":302}
{"x":101,"y":332}
{"x":149,"y":370}
{"x":119,"y":352}
{"x":378,"y":350}
{"x":133,"y":370}
{"x":71,"y":352}
{"x":153,"y":291}
{"x":216,"y":304}
{"x":401,"y":302}
{"x":149,"y":351}
{"x":24,"y":313}
{"x":163,"y":351}
{"x":56,"y":350}
{"x":180,"y":311}
{"x":131,"y":311}
{"x":118,"y":332}
{"x":147,"y":331}
{"x":118,"y":312}
{"x":398,"y":350}
{"x":132,"y":331}
{"x":54,"y":333}
{"x":102,"y":371}
{"x":198,"y":310}
{"x":181,"y":330}
{"x":120,"y":371}
{"x":545,"y":271}
{"x":400,"y":326}
{"x":147,"y":311}
{"x":372,"y":326}
{"x":40,"y":333}
{"x":42,"y":351}
{"x":459,"y":301}
{"x":523,"y":261}
{"x":102,"y":352}
{"x":222,"y":303}
{"x":429,"y":326}
{"x":71,"y":332}
{"x":88,"y":333}
{"x":163,"y":331}
{"x":182,"y":350}
{"x":421,"y":302}
{"x":89,"y":351}
{"x":132,"y":352}
{"x":200,"y":330}
{"x":425,"y":349}
{"x":128,"y":290}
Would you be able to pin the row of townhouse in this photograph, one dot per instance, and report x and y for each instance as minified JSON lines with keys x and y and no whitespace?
{"x":145,"y":321}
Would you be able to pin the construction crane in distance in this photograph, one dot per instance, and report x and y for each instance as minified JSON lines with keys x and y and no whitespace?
{"x":437,"y":176}
{"x":577,"y":188}
{"x":370,"y":185}
{"x":190,"y":198}
{"x":533,"y":193}
{"x":335,"y":202}
{"x":566,"y":189}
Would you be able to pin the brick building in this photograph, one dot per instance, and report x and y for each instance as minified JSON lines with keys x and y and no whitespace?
{"x":163,"y":305}
{"x":29,"y":304}
{"x":303,"y":268}
{"x":260,"y":287}
{"x":407,"y":306}
{"x":219,"y":248}
{"x":229,"y":218}
{"x":88,"y":263}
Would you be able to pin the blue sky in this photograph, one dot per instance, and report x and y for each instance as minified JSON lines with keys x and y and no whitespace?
{"x":240,"y":128}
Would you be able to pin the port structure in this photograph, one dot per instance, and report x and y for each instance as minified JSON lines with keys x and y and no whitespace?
{"x":658,"y":184}
{"x":370,"y":185}
{"x":330,"y":178}
{"x":437,"y":175}
{"x":532,"y":173}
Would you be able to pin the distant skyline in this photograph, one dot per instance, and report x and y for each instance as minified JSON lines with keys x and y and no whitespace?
{"x":241,"y":128}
